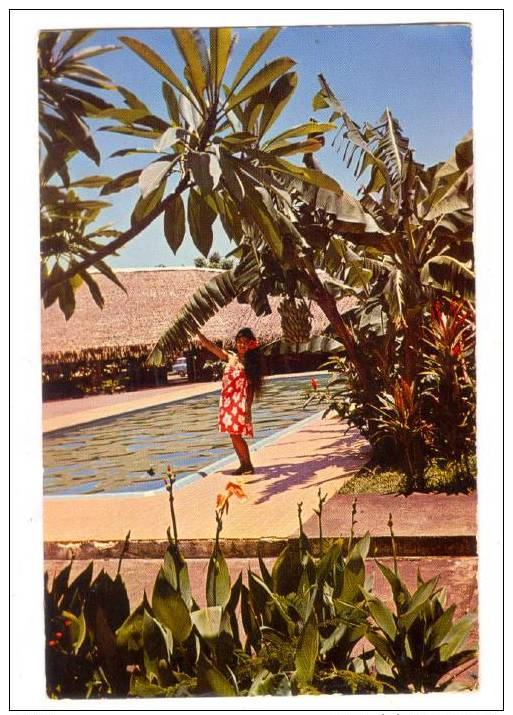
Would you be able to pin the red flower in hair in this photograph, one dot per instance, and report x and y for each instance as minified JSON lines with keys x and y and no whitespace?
{"x":252,"y":344}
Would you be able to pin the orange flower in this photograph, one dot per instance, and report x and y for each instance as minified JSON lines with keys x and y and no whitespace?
{"x":221,"y":500}
{"x":237,"y":490}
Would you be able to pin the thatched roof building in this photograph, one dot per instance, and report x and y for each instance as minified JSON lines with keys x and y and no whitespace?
{"x":131,"y":322}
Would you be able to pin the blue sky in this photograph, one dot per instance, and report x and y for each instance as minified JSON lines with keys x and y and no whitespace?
{"x":422,"y":73}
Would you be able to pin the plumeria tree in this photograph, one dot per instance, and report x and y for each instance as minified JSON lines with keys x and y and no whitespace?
{"x":213,"y":152}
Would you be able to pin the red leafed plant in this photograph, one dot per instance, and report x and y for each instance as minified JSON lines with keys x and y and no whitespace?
{"x":448,"y":378}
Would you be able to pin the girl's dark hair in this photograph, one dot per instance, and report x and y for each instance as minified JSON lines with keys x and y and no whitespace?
{"x":252,"y":362}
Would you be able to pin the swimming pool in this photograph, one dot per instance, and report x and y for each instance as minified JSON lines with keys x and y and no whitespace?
{"x":129,"y":452}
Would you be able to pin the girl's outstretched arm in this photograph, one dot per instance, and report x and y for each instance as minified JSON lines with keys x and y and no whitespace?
{"x":209,"y":345}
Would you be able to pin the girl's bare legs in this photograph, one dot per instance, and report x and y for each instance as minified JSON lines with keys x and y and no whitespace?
{"x":242,"y":450}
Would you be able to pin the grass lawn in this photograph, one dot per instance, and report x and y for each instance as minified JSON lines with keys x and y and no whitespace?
{"x":450,"y":478}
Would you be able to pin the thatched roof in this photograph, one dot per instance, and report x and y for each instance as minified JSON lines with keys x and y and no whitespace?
{"x":130,"y":323}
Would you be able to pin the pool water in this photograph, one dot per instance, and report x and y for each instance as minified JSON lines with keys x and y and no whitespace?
{"x":130,"y":452}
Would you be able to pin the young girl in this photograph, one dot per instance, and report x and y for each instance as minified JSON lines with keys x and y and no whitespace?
{"x":242,"y":382}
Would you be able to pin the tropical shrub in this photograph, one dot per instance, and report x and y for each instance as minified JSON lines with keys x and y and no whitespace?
{"x":301,"y":625}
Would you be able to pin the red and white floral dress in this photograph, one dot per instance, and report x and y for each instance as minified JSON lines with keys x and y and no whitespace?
{"x":233,"y":400}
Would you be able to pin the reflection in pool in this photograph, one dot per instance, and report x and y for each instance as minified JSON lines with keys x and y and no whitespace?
{"x":116,"y":454}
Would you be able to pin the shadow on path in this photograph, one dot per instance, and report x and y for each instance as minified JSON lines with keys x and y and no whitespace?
{"x":278,"y":478}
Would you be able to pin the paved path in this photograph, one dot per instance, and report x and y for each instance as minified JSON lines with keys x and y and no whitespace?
{"x":289,"y":471}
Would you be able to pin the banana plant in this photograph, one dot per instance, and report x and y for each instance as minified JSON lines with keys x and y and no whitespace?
{"x":214,"y":146}
{"x":424,"y":215}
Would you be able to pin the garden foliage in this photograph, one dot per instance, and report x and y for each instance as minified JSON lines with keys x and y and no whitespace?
{"x":309,"y":625}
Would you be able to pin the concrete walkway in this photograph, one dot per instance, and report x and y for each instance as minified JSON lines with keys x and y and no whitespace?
{"x":289,"y":471}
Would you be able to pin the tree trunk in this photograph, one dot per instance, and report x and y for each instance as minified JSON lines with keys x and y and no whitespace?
{"x":328,"y":305}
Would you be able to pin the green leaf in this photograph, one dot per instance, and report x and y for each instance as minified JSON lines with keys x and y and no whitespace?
{"x":279,"y":96}
{"x":212,"y":681}
{"x":308,"y":146}
{"x":401,"y":594}
{"x":203,"y":304}
{"x":218,"y":580}
{"x":200,"y":217}
{"x":205,"y":169}
{"x":132,"y":100}
{"x":75,"y":38}
{"x":191,"y":55}
{"x":267,"y":683}
{"x":418,"y":600}
{"x":208,"y":621}
{"x":333,"y":639}
{"x":261,"y":79}
{"x":152,"y":175}
{"x":456,"y":637}
{"x":158,"y":645}
{"x":317,"y":344}
{"x":174,"y":223}
{"x":306,"y":653}
{"x":287,"y":570}
{"x":170,"y":609}
{"x":77,"y":629}
{"x":124,"y":181}
{"x":147,"y":204}
{"x":127,"y":116}
{"x":449,"y":274}
{"x":441,"y":627}
{"x":132,"y":131}
{"x":383,"y":617}
{"x":220,"y":45}
{"x":91,"y":182}
{"x":171,"y":102}
{"x":299,"y":131}
{"x":67,"y":299}
{"x":155,"y":61}
{"x":130,"y":634}
{"x":254,"y":54}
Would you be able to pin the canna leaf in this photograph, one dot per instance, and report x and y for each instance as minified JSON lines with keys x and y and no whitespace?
{"x":218,"y":580}
{"x":306,"y":653}
{"x":170,"y":609}
{"x":382,"y":616}
{"x":208,"y":621}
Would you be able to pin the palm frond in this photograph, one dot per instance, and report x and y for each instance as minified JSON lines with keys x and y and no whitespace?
{"x":205,"y":302}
